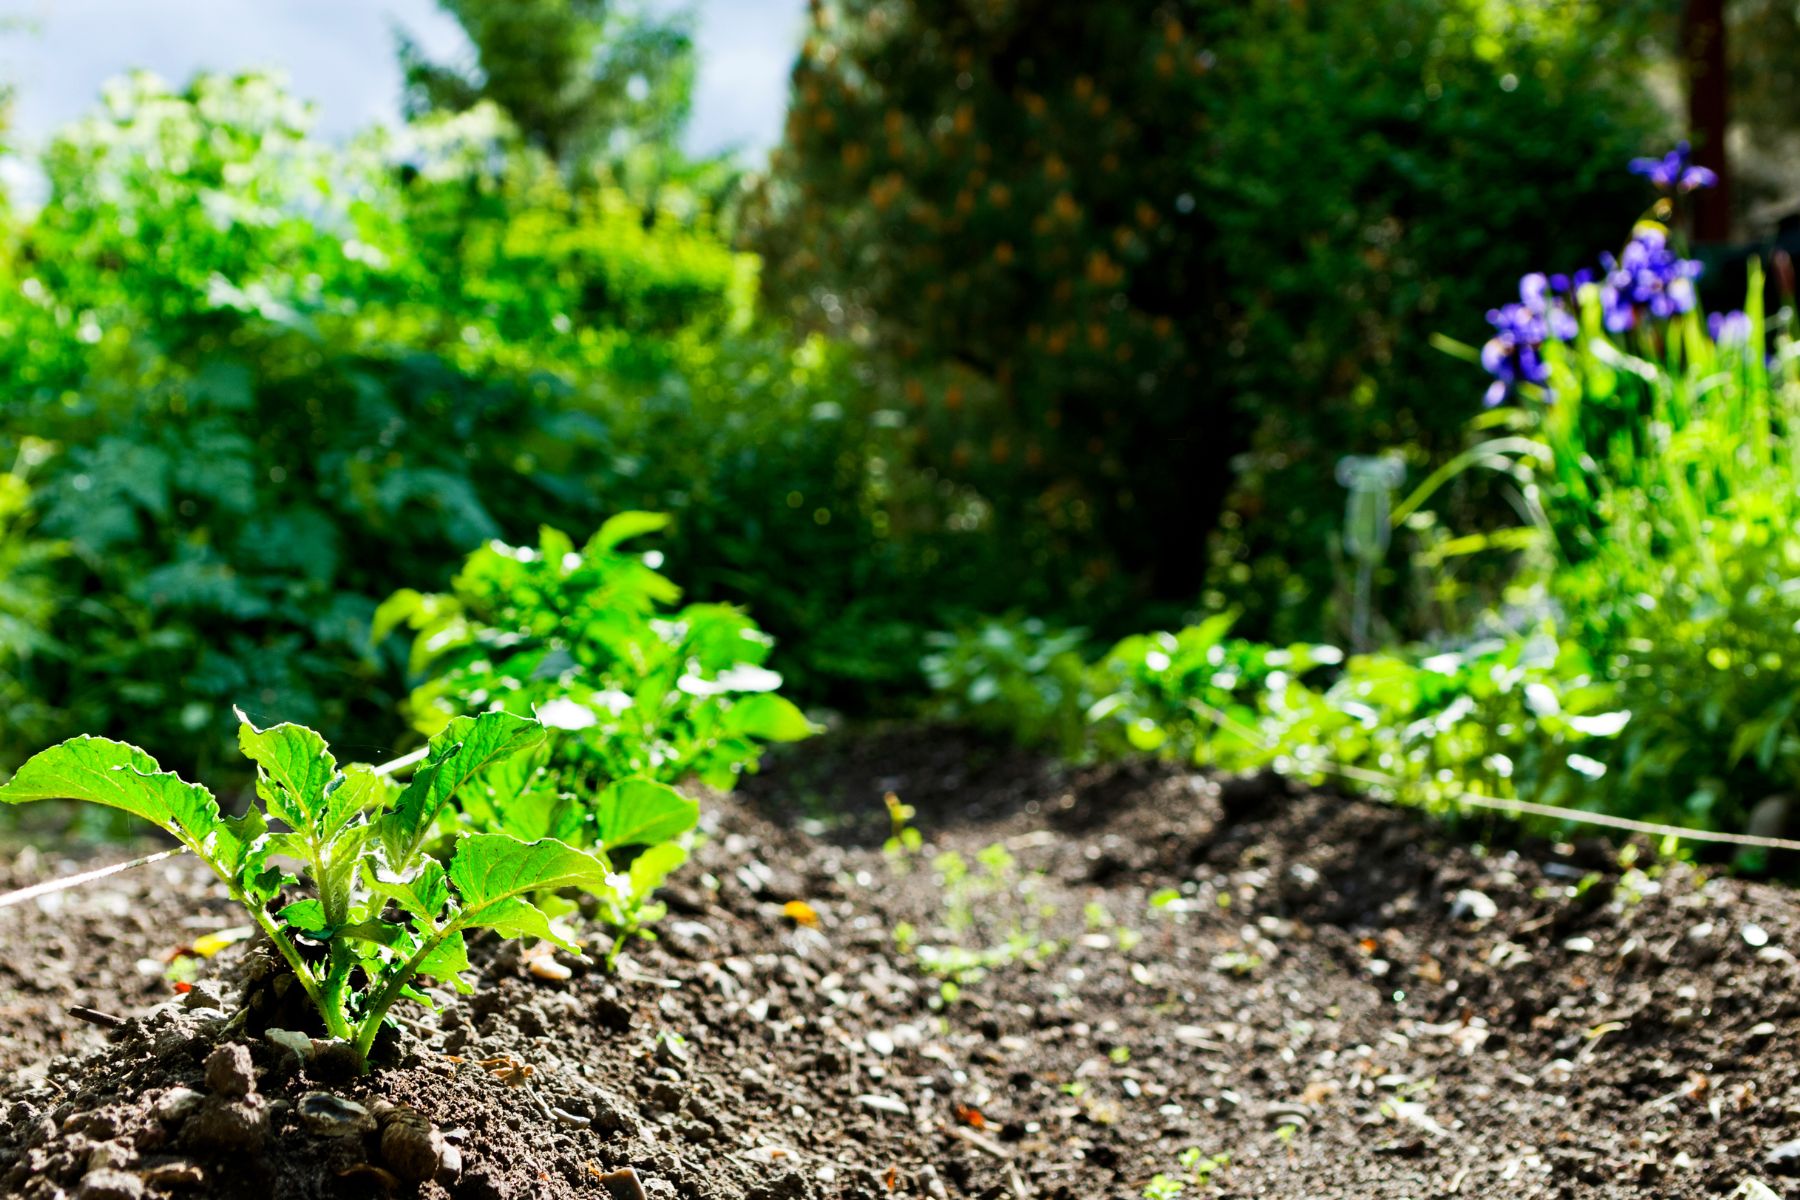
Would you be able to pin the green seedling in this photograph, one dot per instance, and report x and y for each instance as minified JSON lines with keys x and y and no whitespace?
{"x":1196,"y":1170}
{"x":638,"y":694}
{"x":376,"y":913}
{"x":589,"y":641}
{"x":1200,"y":1166}
{"x":903,"y":840}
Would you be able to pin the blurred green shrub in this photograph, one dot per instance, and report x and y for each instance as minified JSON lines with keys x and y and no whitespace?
{"x":1126,"y":259}
{"x":1520,"y":717}
{"x":273,"y":380}
{"x":1017,"y":677}
{"x":1649,"y":665}
{"x":27,"y":602}
{"x":1666,"y":476}
{"x":1377,"y":172}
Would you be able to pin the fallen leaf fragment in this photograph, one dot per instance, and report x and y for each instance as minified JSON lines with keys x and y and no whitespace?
{"x":971,"y":1116}
{"x":210,"y":944}
{"x":801,"y":913}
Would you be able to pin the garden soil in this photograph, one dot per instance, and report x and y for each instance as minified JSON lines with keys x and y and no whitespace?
{"x":1152,"y":968}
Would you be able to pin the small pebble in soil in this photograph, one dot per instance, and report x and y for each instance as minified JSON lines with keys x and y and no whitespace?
{"x":624,"y":1185}
{"x":226,"y":1125}
{"x":175,"y":1176}
{"x":205,"y":993}
{"x":1784,"y":1159}
{"x":411,"y":1145}
{"x":886,"y":1104}
{"x":176,"y":1104}
{"x":1472,"y":905}
{"x":296,"y":1043}
{"x":548,"y":968}
{"x":229,"y":1071}
{"x":114,"y":1155}
{"x":333,"y":1116}
{"x":109,"y":1184}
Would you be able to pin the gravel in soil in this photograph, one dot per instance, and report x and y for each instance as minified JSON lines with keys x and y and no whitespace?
{"x":1080,"y":981}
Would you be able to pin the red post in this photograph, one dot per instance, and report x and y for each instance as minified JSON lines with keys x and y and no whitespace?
{"x":1709,"y":110}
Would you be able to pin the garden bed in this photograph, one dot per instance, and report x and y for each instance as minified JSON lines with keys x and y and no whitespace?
{"x":1334,"y":998}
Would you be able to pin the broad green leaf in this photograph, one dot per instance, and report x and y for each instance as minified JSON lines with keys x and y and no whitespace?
{"x":649,"y":869}
{"x":641,"y":812}
{"x":540,"y":813}
{"x":622,"y":527}
{"x":377,"y":932}
{"x":769,"y":717}
{"x":517,"y":917}
{"x":307,"y":916}
{"x":241,"y":854}
{"x":492,"y":867}
{"x":294,"y":765}
{"x":423,"y":893}
{"x":447,"y":962}
{"x":492,"y":872}
{"x":554,"y":545}
{"x":358,"y":789}
{"x":102,"y":771}
{"x":466,"y":747}
{"x":339,"y":865}
{"x":396,"y":610}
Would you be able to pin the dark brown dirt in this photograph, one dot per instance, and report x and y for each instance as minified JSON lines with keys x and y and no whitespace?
{"x":1338,"y":1000}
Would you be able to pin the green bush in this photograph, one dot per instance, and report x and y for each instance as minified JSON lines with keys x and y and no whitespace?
{"x":1521,"y":717}
{"x":588,"y":641}
{"x":1125,"y":259}
{"x":279,"y":380}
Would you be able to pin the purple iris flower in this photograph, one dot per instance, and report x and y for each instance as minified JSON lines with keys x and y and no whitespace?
{"x":1647,"y":277}
{"x":1514,"y":355}
{"x":1673,"y":172}
{"x":1729,"y":329}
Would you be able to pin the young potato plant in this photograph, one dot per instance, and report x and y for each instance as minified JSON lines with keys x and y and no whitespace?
{"x":379,"y":912}
{"x":588,"y":641}
{"x":640,"y":695}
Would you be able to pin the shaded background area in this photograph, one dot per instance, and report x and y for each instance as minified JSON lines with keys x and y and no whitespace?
{"x":913,"y":314}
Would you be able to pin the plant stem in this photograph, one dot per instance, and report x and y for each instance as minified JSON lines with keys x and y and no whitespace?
{"x":332,"y":1014}
{"x":390,"y":992}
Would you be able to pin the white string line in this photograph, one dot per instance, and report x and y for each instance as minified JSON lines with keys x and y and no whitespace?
{"x":23,"y":894}
{"x":1516,"y":808}
{"x":57,"y":885}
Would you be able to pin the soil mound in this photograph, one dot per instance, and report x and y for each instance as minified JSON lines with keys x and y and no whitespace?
{"x":1081,"y":981}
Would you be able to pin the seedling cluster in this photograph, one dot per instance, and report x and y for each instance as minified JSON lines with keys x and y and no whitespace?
{"x":563,"y":707}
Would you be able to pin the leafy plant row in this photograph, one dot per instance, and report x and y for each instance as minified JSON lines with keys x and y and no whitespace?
{"x":1647,"y":659}
{"x":1521,"y":716}
{"x":564,"y":697}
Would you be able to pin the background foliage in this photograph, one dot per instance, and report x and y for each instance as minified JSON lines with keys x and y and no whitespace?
{"x":1048,"y":309}
{"x":1130,"y":260}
